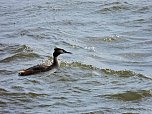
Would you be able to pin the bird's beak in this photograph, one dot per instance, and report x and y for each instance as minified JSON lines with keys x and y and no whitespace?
{"x":67,"y":52}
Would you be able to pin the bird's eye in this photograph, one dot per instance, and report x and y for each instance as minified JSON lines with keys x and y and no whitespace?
{"x":63,"y":51}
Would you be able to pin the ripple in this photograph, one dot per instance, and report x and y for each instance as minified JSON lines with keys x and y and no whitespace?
{"x":106,"y":39}
{"x":114,"y":7}
{"x":17,"y":88}
{"x":135,"y":22}
{"x":6,"y":72}
{"x":80,"y":89}
{"x":143,"y":9}
{"x":67,"y":23}
{"x":35,"y":32}
{"x":18,"y":95}
{"x":136,"y":56}
{"x":3,"y":90}
{"x":67,"y":79}
{"x":58,"y":97}
{"x":94,"y":112}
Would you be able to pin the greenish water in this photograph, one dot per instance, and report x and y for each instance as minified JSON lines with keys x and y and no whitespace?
{"x":109,"y":71}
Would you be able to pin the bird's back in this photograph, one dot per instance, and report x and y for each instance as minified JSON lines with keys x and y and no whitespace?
{"x":35,"y":69}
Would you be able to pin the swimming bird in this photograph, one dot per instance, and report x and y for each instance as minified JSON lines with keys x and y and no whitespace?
{"x":42,"y":67}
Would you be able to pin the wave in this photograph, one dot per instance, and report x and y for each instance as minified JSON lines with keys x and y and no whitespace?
{"x":131,"y":95}
{"x":16,"y":48}
{"x":106,"y":71}
{"x":18,"y":56}
{"x":78,"y":64}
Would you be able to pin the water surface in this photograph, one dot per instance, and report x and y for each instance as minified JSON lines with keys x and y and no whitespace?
{"x":108,"y":72}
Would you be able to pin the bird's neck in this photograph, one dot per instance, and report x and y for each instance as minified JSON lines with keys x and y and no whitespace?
{"x":55,"y":61}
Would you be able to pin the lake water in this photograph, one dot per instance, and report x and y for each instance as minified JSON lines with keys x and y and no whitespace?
{"x":109,"y":72}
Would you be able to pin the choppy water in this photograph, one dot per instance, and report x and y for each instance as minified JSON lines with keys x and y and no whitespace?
{"x":109,"y":71}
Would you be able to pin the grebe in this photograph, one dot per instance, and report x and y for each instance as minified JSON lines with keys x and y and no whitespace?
{"x":43,"y":68}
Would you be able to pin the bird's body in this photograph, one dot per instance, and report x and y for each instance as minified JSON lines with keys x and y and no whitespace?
{"x":42,"y":67}
{"x":36,"y":69}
